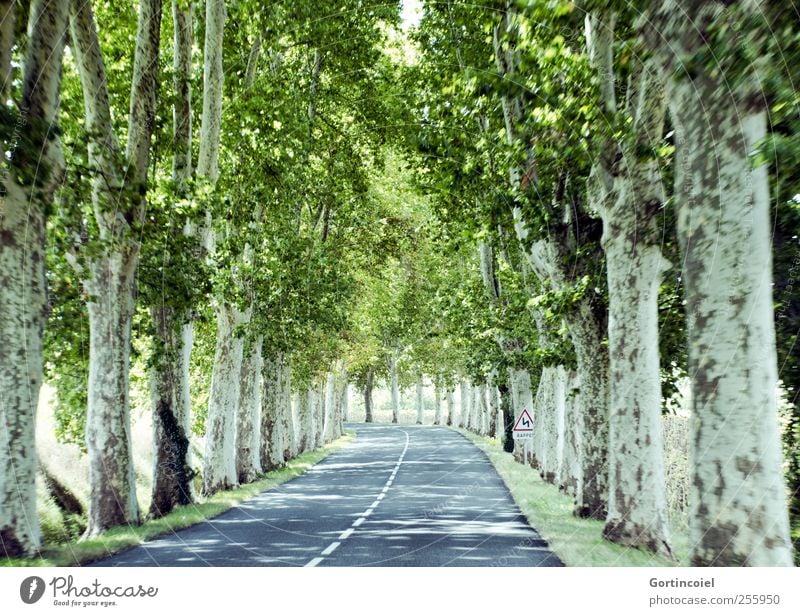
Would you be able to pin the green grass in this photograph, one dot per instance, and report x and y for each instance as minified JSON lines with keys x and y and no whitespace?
{"x":118,"y":539}
{"x":576,"y":541}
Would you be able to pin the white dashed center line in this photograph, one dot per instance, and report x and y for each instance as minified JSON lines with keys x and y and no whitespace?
{"x":329,"y":550}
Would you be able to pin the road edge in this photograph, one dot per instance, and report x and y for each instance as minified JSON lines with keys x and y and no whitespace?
{"x":121,"y":539}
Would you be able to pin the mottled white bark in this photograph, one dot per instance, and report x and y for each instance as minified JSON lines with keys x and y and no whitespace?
{"x":572,"y":467}
{"x":738,"y":513}
{"x":485,"y":415}
{"x":213,"y":83}
{"x":219,"y":468}
{"x":476,"y":409}
{"x":587,"y":337}
{"x":346,"y":403}
{"x":169,"y":391}
{"x":626,"y":191}
{"x":23,"y":210}
{"x":549,"y":440}
{"x":521,"y":398}
{"x":305,"y":418}
{"x":169,"y":376}
{"x":437,"y":408}
{"x":117,"y":199}
{"x":395,"y":387}
{"x":248,"y":417}
{"x":285,"y":409}
{"x":319,"y":412}
{"x":368,"y":396}
{"x":451,"y":407}
{"x":495,"y":413}
{"x":541,"y":402}
{"x":464,"y":397}
{"x":586,"y":322}
{"x":339,"y":398}
{"x":420,"y":401}
{"x":112,"y":500}
{"x":273,"y":438}
{"x":7,"y":21}
{"x":182,"y":19}
{"x":329,"y":430}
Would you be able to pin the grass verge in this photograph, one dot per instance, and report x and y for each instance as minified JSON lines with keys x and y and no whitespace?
{"x":577,"y":542}
{"x":123,"y":537}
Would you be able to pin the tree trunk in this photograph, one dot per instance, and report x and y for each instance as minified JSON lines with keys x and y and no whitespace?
{"x":108,"y":425}
{"x":464,"y":399}
{"x":65,"y":500}
{"x":368,"y":397}
{"x":437,"y":413}
{"x":169,"y":390}
{"x":329,"y":431}
{"x":521,"y":399}
{"x":117,"y":199}
{"x":571,"y":467}
{"x":338,"y":397}
{"x":248,"y":420}
{"x":738,"y":513}
{"x":346,"y":403}
{"x":451,"y":406}
{"x":395,"y":389}
{"x":23,"y":295}
{"x":738,"y":503}
{"x":637,"y":504}
{"x":219,"y":469}
{"x":627,"y":192}
{"x":285,"y":411}
{"x":507,"y":414}
{"x":320,"y":411}
{"x":420,"y":401}
{"x":587,"y":333}
{"x":552,"y":425}
{"x":542,"y":405}
{"x":476,"y":410}
{"x":495,"y":416}
{"x":273,"y":444}
{"x":305,"y":418}
{"x":213,"y":83}
{"x":8,"y":21}
{"x":169,"y":377}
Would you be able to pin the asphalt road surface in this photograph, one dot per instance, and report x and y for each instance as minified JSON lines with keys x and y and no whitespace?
{"x":396,"y":496}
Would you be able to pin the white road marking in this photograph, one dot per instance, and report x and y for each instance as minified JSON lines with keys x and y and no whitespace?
{"x":331,"y":548}
{"x":327,"y":551}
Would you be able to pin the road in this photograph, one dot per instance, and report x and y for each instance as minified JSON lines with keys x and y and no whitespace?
{"x":395,"y":496}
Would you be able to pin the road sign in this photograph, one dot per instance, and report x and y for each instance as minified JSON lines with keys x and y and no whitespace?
{"x":523,"y":429}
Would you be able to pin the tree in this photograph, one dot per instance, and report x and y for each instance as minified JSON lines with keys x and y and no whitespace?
{"x":109,"y":267}
{"x":738,"y":507}
{"x":626,"y":188}
{"x":30,"y":176}
{"x":170,"y":311}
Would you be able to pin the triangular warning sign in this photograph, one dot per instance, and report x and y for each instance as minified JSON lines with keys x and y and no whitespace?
{"x":524,"y":422}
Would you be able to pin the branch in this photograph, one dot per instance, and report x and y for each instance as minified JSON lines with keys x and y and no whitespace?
{"x":600,"y":46}
{"x":7,"y":21}
{"x":144,"y":89}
